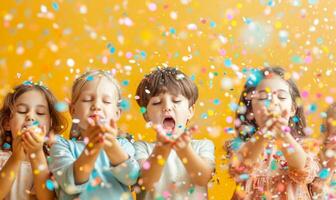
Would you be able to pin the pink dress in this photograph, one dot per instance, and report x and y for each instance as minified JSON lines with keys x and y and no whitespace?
{"x":270,"y":177}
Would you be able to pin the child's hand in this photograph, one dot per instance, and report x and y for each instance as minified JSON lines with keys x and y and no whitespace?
{"x":161,"y":136}
{"x":110,"y":134}
{"x":183,"y":141}
{"x":18,"y":150}
{"x":94,"y":136}
{"x":33,"y":139}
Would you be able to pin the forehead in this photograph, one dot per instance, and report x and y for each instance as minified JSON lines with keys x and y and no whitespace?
{"x":168,"y":93}
{"x":32,"y":97}
{"x":274,"y":84}
{"x":100,"y":83}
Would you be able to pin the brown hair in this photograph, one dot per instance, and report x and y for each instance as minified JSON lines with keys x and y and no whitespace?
{"x":331,"y":111}
{"x":297,"y":125}
{"x":59,"y":122}
{"x":167,"y":79}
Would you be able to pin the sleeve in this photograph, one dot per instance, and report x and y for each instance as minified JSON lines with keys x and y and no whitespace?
{"x":3,"y":158}
{"x":207,"y":151}
{"x":128,"y":171}
{"x":308,"y":173}
{"x":141,"y":151}
{"x":61,"y":165}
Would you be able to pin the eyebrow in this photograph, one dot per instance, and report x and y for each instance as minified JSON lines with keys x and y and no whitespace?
{"x":280,"y":90}
{"x":23,"y":104}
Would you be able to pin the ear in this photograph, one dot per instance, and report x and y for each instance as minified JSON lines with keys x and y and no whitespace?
{"x":293,"y":111}
{"x":145,"y":116}
{"x":72,"y":109}
{"x":118,"y":114}
{"x":191,"y":112}
{"x":6,"y":125}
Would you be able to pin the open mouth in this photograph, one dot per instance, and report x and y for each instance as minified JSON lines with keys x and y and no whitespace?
{"x":169,"y":124}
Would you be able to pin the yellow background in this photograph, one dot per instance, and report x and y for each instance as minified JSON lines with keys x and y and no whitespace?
{"x":212,"y":41}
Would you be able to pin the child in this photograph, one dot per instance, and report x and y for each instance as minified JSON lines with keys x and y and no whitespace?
{"x":26,"y":117}
{"x":271,"y":163}
{"x":324,"y":187}
{"x":100,"y":164}
{"x":175,"y":166}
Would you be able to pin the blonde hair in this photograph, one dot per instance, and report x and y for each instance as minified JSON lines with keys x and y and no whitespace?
{"x":84,"y":78}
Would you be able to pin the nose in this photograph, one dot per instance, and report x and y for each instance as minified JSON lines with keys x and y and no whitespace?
{"x":167,"y":106}
{"x":30,"y":117}
{"x":96,"y":106}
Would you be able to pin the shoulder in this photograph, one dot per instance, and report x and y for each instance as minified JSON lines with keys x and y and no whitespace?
{"x":4,"y":155}
{"x":204,"y":143}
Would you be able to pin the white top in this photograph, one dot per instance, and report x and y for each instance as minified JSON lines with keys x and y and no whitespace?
{"x":175,"y":182}
{"x":22,"y":187}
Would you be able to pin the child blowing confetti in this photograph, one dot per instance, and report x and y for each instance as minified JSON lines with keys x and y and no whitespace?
{"x":175,"y":166}
{"x":27,"y":118}
{"x":100,"y":164}
{"x":267,"y":159}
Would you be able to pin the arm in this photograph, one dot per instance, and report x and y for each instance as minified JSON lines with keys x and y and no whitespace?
{"x":9,"y":170}
{"x":40,"y":178}
{"x":33,"y":144}
{"x":294,"y":153}
{"x":63,"y":165}
{"x":197,"y":167}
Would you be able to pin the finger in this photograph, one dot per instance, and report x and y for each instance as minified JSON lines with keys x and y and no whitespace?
{"x":28,"y":139}
{"x":37,"y":138}
{"x":113,"y":124}
{"x":27,"y":146}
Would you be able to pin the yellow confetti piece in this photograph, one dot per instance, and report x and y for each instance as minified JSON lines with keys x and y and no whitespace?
{"x":211,"y":112}
{"x":278,"y":25}
{"x":36,"y":171}
{"x":185,"y":160}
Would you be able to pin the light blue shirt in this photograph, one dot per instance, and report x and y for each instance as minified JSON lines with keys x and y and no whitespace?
{"x":105,"y":182}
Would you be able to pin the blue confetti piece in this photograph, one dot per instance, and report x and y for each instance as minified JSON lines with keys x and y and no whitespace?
{"x":296,"y":119}
{"x":172,"y":31}
{"x":227,"y":62}
{"x":125,"y":105}
{"x":89,"y":78}
{"x":233,"y":106}
{"x":125,"y":83}
{"x":27,"y":83}
{"x":55,"y":6}
{"x":324,"y":173}
{"x":297,"y":59}
{"x":216,"y":101}
{"x":6,"y":146}
{"x":313,"y":107}
{"x":36,"y":123}
{"x":323,"y":128}
{"x":254,"y":78}
{"x":244,"y":176}
{"x":236,"y":143}
{"x":193,"y":77}
{"x":143,"y":54}
{"x":313,"y":2}
{"x":61,"y":106}
{"x":212,"y":24}
{"x":204,"y":116}
{"x":112,"y":50}
{"x":50,"y":185}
